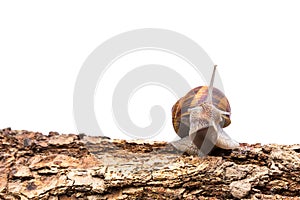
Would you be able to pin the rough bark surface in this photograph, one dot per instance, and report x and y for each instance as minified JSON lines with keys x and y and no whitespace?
{"x":53,"y":166}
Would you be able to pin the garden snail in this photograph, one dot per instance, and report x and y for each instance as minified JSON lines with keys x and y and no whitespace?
{"x":199,"y":118}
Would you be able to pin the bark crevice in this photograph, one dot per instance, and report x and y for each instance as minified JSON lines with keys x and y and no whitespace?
{"x":69,"y":166}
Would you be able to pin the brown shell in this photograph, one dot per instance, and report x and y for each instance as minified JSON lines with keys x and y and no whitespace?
{"x":193,"y":98}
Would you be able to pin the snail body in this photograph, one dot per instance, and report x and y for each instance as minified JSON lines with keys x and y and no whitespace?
{"x":199,"y":118}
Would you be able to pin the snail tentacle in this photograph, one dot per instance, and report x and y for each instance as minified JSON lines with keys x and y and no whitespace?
{"x":222,"y":112}
{"x":211,"y":85}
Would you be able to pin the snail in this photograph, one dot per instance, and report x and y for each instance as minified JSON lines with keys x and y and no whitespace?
{"x":199,"y":118}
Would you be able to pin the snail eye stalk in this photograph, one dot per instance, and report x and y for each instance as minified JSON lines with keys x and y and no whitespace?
{"x":211,"y":86}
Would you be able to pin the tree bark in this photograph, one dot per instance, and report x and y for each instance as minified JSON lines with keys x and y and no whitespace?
{"x":69,"y":166}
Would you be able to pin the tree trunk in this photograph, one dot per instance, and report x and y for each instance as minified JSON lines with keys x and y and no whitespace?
{"x":37,"y":166}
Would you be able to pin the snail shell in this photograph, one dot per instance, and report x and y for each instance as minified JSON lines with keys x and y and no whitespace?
{"x":199,"y":118}
{"x":193,"y":98}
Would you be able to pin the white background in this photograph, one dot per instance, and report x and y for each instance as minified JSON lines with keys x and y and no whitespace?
{"x":255,"y":43}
